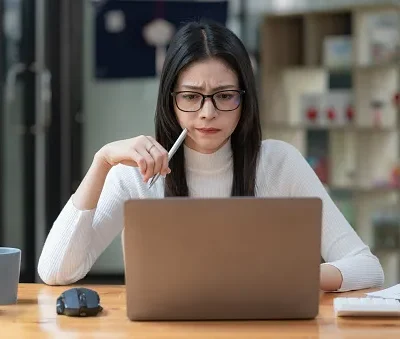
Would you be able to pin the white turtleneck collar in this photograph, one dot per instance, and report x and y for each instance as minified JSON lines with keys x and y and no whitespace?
{"x":212,"y":162}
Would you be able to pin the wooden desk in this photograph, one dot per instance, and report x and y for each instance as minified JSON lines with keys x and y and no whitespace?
{"x":35,"y":316}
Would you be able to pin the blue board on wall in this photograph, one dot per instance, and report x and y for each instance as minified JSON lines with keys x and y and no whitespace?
{"x":124,"y":53}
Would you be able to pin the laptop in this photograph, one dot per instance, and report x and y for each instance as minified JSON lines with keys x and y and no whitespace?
{"x":241,"y":258}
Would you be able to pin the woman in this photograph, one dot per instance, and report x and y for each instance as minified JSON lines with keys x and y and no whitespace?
{"x":207,"y":86}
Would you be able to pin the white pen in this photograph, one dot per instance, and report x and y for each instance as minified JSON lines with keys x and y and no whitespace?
{"x":171,"y":153}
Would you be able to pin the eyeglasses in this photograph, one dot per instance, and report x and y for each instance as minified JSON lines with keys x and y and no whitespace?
{"x":189,"y":101}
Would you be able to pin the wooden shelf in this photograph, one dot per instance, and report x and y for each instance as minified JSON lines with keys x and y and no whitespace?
{"x":349,"y":128}
{"x":365,"y":190}
{"x":343,"y":69}
{"x":359,"y":153}
{"x":287,"y":33}
{"x":317,"y":27}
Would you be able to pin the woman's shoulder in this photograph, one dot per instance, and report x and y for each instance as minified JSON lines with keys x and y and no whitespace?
{"x":278,"y":149}
{"x":279,"y":164}
{"x":277,"y":155}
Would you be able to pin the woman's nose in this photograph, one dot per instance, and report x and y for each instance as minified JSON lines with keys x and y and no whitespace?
{"x":208,"y":110}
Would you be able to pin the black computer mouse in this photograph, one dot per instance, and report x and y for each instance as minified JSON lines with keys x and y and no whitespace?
{"x":79,"y":302}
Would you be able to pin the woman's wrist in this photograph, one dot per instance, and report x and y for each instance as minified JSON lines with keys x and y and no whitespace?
{"x":87,"y":195}
{"x":99,"y":161}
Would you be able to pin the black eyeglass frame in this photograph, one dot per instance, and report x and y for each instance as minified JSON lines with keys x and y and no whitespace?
{"x":205,"y":96}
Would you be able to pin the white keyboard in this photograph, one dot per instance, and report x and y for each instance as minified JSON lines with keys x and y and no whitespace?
{"x":371,"y":307}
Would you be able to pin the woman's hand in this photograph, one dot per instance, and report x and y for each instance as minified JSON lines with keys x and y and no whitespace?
{"x":142,"y":151}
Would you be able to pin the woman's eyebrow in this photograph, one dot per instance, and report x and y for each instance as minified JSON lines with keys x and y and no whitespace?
{"x":199,"y":88}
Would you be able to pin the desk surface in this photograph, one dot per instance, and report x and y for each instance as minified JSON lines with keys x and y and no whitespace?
{"x":35,"y":316}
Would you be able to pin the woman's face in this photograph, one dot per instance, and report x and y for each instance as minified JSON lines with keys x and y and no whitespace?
{"x":209,"y":127}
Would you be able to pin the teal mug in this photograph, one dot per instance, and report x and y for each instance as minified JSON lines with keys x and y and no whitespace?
{"x":10,"y":265}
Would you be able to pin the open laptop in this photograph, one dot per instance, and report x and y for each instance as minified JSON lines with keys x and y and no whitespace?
{"x":222,"y":258}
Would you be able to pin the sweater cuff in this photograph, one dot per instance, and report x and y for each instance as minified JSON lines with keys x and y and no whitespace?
{"x":349,"y":276}
{"x":75,"y":209}
{"x":359,"y":273}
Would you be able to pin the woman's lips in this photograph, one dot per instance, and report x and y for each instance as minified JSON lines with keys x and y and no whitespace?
{"x":209,"y":130}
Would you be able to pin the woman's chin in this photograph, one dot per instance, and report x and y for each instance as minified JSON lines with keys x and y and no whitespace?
{"x":206,"y":146}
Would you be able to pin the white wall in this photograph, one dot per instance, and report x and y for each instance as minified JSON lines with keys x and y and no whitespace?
{"x":113,"y":110}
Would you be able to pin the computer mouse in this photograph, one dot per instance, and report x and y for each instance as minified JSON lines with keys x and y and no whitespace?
{"x":79,"y":302}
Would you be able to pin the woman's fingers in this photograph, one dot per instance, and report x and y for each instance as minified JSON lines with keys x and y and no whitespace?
{"x":158,"y":159}
{"x":163,"y":154}
{"x":149,"y":170}
{"x":146,"y":153}
{"x":140,"y":161}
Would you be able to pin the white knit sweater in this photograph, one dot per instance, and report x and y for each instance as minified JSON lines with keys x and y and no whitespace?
{"x":77,"y":237}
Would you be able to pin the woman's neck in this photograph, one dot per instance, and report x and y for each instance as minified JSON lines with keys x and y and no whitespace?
{"x":208,"y":162}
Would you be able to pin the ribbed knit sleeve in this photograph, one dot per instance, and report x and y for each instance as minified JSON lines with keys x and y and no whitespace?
{"x":341,"y":246}
{"x":77,"y":237}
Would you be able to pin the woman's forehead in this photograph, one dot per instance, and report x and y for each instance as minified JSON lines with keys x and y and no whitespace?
{"x":208,"y":73}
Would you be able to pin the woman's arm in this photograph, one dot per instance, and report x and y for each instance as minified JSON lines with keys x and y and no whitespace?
{"x":350,"y":265}
{"x":93,"y":217}
{"x":80,"y":234}
{"x":88,"y":193}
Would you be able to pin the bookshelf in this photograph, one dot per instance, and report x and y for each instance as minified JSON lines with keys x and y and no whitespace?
{"x":330,"y":84}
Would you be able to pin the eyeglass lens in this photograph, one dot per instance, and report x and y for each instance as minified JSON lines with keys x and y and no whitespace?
{"x":192,"y":101}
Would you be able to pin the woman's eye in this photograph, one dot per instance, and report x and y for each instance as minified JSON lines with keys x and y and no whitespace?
{"x":190,"y":96}
{"x":225,"y":96}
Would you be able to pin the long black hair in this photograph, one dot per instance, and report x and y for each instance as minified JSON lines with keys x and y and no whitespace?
{"x":193,"y":42}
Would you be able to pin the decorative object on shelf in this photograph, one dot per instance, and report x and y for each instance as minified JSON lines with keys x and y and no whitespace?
{"x":318,"y":154}
{"x":331,"y":114}
{"x":395,"y":175}
{"x":350,"y":113}
{"x":158,"y":33}
{"x":377,"y":107}
{"x":390,"y":179}
{"x":312,"y":114}
{"x":338,"y":52}
{"x":396,"y":100}
{"x":337,"y":103}
{"x":375,"y":88}
{"x":332,"y":108}
{"x":383,"y":36}
{"x":320,"y":167}
{"x":310,"y":105}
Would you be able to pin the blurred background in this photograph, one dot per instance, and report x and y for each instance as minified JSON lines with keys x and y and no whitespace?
{"x":75,"y":75}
